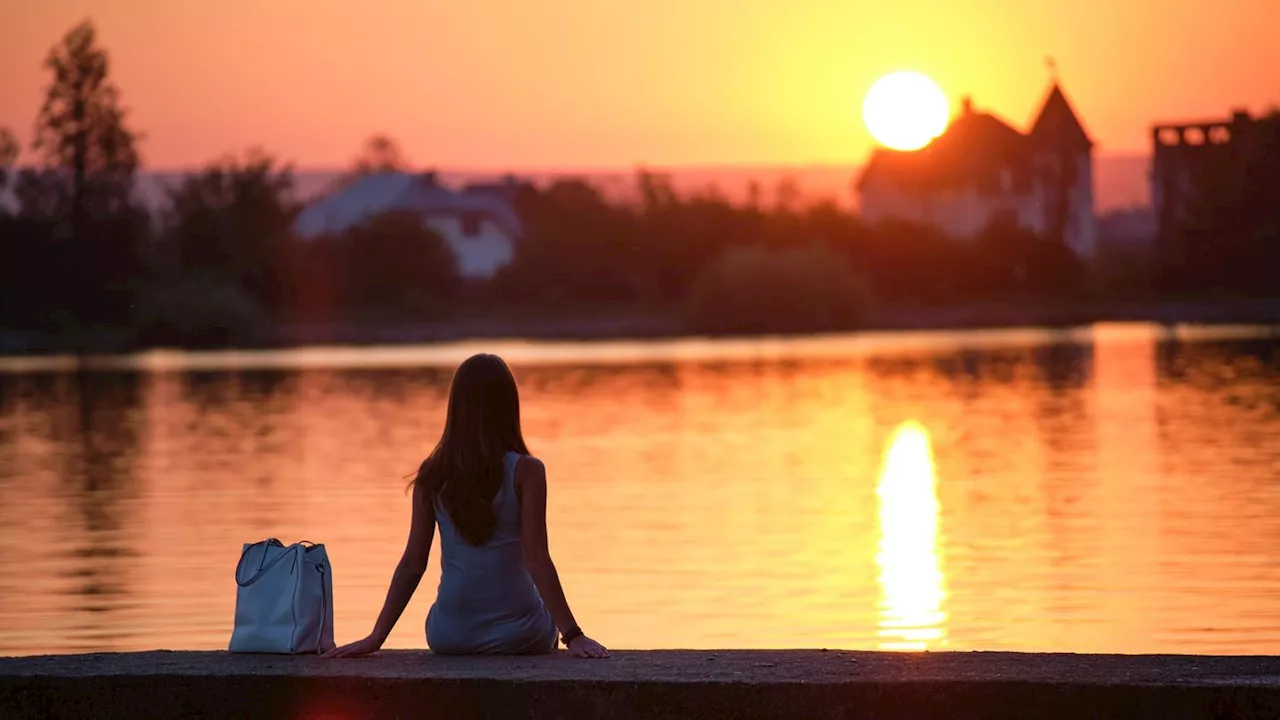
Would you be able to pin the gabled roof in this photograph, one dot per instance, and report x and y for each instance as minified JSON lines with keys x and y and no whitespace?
{"x":977,"y":148}
{"x":976,"y":139}
{"x":1057,"y":124}
{"x":973,"y":150}
{"x":372,"y":195}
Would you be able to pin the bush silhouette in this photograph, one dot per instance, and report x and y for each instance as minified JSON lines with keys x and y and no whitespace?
{"x":761,"y":289}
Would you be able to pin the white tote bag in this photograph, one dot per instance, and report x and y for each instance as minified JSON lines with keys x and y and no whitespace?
{"x":284,"y":599}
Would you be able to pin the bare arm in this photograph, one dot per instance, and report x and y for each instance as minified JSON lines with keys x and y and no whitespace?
{"x":531,"y":485}
{"x":404,"y":581}
{"x":413,"y":563}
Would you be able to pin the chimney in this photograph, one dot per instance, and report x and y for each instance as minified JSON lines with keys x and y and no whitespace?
{"x":966,"y":105}
{"x":1240,"y":116}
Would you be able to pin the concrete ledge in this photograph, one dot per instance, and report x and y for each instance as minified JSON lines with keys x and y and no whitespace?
{"x":813,"y":685}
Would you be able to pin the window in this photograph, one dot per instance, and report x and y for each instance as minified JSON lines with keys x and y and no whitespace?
{"x":471,"y":222}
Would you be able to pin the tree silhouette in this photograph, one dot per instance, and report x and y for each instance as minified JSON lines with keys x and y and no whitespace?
{"x":577,"y":248}
{"x":89,"y":154}
{"x":8,"y":157}
{"x":766,"y":289}
{"x":397,"y":266}
{"x":80,"y":239}
{"x":787,"y":194}
{"x":380,"y":154}
{"x":231,"y":222}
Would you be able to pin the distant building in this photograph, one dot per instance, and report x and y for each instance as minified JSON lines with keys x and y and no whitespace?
{"x":1189,"y":158}
{"x":982,"y":171}
{"x":479,"y":223}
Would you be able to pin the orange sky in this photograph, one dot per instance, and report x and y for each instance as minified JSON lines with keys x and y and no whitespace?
{"x":582,"y":83}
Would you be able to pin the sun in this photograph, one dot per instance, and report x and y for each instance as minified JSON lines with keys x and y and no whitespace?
{"x":905,"y":110}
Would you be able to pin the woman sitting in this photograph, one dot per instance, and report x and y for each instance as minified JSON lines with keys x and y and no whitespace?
{"x":499,"y":592}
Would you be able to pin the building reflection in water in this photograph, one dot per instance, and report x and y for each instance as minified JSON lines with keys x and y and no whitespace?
{"x":912,"y":584}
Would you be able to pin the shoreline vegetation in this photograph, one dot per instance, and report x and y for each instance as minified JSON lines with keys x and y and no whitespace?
{"x":657,"y":326}
{"x":86,"y":268}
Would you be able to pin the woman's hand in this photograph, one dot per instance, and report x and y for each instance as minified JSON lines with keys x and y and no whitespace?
{"x":584,"y":647}
{"x":359,"y":648}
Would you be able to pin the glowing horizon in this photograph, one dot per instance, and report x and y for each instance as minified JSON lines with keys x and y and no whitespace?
{"x":503,"y":84}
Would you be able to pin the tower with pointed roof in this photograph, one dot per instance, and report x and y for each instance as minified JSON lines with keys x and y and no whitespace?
{"x":1064,"y":155}
{"x":982,"y":171}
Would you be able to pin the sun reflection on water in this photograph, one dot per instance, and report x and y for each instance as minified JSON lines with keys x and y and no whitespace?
{"x":912,"y":584}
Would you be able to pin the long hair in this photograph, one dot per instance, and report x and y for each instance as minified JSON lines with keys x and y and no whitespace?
{"x":462,"y":475}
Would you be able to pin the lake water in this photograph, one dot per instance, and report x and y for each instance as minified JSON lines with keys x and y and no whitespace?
{"x":1106,"y":489}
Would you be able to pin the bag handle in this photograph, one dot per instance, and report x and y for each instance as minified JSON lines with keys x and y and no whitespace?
{"x":262,"y":569}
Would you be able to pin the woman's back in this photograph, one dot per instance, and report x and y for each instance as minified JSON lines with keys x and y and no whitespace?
{"x":505,"y":595}
{"x":487,"y":602}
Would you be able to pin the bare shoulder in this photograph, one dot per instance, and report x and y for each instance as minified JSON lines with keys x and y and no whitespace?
{"x":531,"y":467}
{"x":531,"y":474}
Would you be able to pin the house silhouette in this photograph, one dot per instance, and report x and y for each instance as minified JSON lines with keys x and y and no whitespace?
{"x":982,"y":172}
